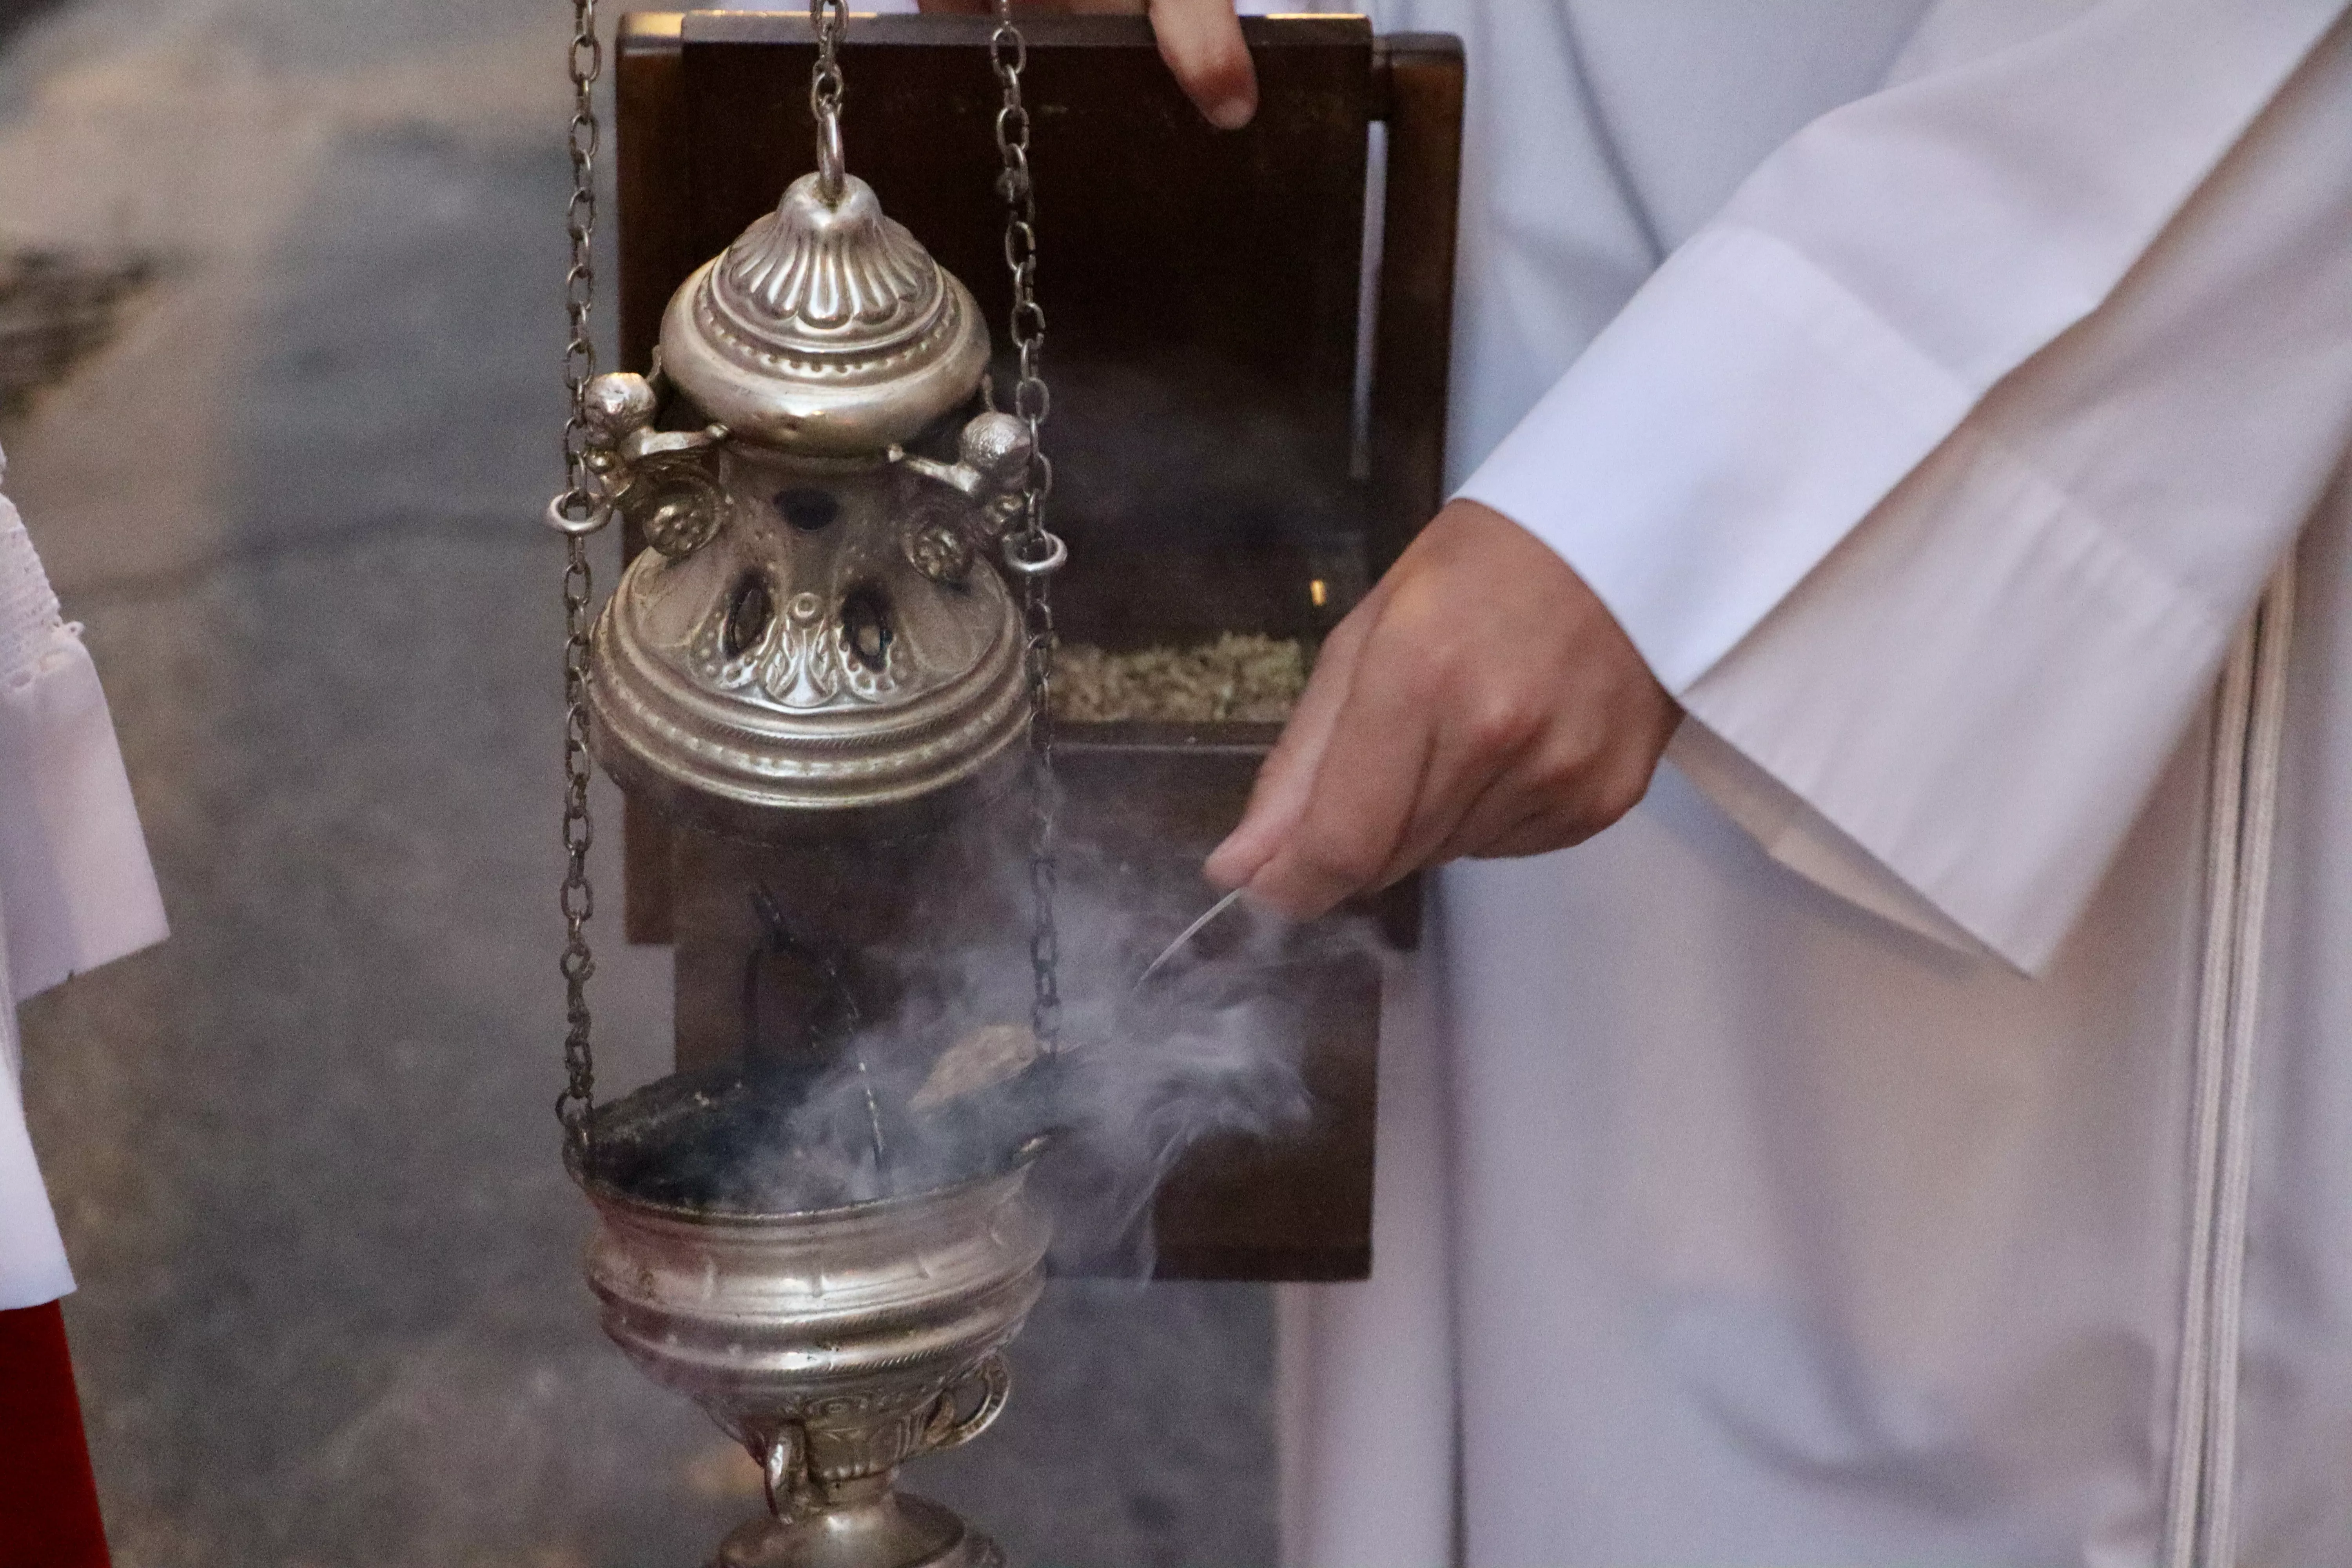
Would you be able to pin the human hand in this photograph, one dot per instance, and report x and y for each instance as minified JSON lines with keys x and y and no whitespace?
{"x":1200,"y":39}
{"x":1481,"y":702}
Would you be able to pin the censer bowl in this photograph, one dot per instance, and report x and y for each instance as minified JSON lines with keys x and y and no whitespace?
{"x":835,"y":1342}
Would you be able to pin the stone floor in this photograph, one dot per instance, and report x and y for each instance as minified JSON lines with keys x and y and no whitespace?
{"x":330,"y":1313}
{"x":15,"y":13}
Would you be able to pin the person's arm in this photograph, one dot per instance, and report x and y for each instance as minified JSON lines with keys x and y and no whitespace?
{"x":1978,"y":687}
{"x":1704,"y":469}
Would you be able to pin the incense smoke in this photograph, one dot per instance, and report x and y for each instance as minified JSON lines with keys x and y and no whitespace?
{"x":944,"y":1081}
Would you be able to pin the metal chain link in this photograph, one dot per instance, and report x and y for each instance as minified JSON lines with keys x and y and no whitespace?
{"x":578,"y":510}
{"x":826,"y":20}
{"x":1031,"y":549}
{"x":584,"y":61}
{"x":826,"y":90}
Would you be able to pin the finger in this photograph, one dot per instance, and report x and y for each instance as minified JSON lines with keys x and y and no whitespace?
{"x":1539,"y":834}
{"x":1553,"y":782}
{"x":1503,"y":806}
{"x":1511,"y":819}
{"x":1285,"y":781}
{"x":1202,"y":42}
{"x":1494,"y":708}
{"x":1537,"y":808}
{"x":1369,"y":776}
{"x":1036,"y":7}
{"x":1480,"y":745}
{"x":1495,"y":712}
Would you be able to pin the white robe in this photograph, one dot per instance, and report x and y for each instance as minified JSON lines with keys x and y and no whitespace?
{"x":2003,"y":348}
{"x":76,"y":888}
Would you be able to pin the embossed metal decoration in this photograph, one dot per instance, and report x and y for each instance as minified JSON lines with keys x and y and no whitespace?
{"x":809,"y":632}
{"x":826,"y":329}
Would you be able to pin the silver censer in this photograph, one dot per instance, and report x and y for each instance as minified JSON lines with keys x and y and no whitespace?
{"x":816,"y":647}
{"x":835,"y":1344}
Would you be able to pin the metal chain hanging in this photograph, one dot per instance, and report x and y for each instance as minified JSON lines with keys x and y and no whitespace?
{"x":1032,"y":551}
{"x":577,"y":511}
{"x":827,"y":91}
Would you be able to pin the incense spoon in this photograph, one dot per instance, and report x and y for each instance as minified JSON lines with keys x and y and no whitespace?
{"x":1185,"y":936}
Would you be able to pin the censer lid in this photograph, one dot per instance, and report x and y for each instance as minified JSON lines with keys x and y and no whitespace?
{"x":826,"y":329}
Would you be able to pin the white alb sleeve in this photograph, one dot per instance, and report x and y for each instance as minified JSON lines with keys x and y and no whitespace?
{"x":75,"y":880}
{"x":1934,"y":476}
{"x":76,"y":888}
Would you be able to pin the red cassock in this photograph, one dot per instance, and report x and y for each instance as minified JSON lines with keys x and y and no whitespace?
{"x":48,"y":1499}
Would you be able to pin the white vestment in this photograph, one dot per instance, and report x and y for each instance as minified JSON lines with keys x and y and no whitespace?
{"x":76,"y":888}
{"x":1929,"y":390}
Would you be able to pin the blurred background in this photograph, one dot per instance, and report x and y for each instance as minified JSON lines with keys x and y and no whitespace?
{"x":279,"y":337}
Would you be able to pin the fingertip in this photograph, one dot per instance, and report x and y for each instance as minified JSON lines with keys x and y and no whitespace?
{"x":1291,"y":890}
{"x":1233,"y":111}
{"x":1202,"y":42}
{"x":1232,"y":863}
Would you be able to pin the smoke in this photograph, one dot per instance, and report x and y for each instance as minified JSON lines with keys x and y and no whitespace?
{"x":932,"y":1075}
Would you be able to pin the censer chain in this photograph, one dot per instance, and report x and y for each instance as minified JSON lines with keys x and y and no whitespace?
{"x":826,"y":90}
{"x":1032,"y":551}
{"x":577,"y":511}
